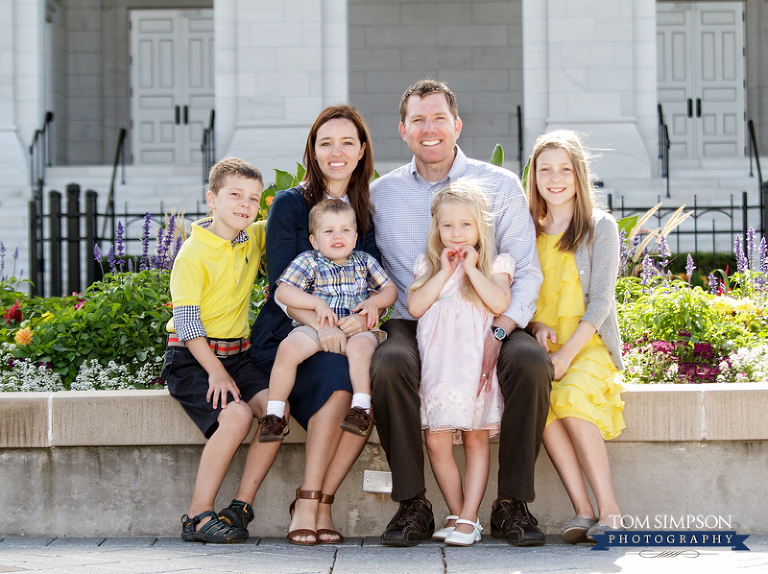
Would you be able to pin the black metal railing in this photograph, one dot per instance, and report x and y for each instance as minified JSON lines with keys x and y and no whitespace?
{"x":39,"y":158}
{"x":119,"y":161}
{"x":762,"y":185}
{"x":520,"y":139}
{"x":664,"y":147}
{"x":208,"y":147}
{"x":76,"y":228}
{"x":735,"y":215}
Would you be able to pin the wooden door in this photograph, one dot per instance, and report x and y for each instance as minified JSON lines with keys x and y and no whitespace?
{"x":700,"y":74}
{"x":171,"y":84}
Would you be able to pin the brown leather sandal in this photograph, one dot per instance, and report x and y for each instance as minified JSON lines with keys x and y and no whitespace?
{"x":293,"y":534}
{"x":328,"y":499}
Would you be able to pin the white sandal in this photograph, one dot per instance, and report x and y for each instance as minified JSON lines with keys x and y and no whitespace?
{"x":440,"y":535}
{"x":462,"y":539}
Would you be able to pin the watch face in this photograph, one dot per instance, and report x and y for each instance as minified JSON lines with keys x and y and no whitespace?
{"x":499,"y":333}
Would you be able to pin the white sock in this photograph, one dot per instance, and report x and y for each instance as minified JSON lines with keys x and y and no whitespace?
{"x":276,"y":408}
{"x":362,"y":400}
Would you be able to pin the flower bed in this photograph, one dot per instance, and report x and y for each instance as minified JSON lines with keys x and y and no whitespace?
{"x":676,"y":329}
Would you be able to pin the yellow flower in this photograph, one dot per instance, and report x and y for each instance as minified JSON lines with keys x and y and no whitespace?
{"x":24,"y":336}
{"x":47,"y":316}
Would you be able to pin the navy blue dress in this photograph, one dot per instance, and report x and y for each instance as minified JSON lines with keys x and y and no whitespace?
{"x":322,"y":374}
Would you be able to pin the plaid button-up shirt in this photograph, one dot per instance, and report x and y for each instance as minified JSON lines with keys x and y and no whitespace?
{"x":341,"y":286}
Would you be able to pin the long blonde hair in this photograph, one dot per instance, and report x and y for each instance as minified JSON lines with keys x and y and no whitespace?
{"x":581,"y":225}
{"x":469,"y":195}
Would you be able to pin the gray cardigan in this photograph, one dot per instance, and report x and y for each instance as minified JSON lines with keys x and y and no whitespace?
{"x":598,"y":265}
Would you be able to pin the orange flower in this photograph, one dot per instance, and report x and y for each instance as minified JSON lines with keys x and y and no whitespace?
{"x":269,"y":200}
{"x":24,"y":336}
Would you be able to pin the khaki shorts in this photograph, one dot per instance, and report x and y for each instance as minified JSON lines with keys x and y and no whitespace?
{"x":380,"y":335}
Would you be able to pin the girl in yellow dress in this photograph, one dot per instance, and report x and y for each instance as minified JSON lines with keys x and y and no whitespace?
{"x":576,"y":323}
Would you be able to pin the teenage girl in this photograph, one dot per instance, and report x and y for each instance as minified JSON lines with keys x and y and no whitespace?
{"x":576,"y":323}
{"x":459,"y":288}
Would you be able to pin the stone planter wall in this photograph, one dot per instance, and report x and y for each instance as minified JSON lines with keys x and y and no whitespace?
{"x":123,"y":463}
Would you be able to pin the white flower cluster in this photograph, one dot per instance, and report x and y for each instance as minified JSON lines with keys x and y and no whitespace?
{"x":92,"y":375}
{"x":745,"y":365}
{"x":23,"y":375}
{"x":27,"y":376}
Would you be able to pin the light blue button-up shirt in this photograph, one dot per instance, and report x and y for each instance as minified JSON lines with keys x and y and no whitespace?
{"x":402,"y":200}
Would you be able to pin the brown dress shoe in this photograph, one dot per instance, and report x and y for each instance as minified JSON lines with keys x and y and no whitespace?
{"x":357,"y":422}
{"x":414,"y":521}
{"x":512,"y":521}
{"x":273,"y":428}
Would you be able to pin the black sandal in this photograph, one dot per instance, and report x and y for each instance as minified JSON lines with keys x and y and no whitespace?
{"x":214,"y":531}
{"x":239,"y":514}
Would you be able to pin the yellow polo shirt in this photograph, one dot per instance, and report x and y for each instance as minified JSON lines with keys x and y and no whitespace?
{"x":217,"y":276}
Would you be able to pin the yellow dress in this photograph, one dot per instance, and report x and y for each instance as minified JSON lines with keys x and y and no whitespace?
{"x":591,"y":389}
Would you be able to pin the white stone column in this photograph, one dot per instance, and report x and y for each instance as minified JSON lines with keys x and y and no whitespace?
{"x":590,"y":67}
{"x":278,"y":63}
{"x":22,"y":25}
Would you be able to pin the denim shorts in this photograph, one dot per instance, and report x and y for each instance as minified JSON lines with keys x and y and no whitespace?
{"x":188,"y":384}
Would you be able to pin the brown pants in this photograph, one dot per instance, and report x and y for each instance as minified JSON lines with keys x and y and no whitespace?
{"x":525,"y":373}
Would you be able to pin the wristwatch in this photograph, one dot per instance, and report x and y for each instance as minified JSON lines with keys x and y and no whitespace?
{"x":499,"y":333}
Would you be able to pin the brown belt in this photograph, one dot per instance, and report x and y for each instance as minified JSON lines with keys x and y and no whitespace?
{"x":220,"y":347}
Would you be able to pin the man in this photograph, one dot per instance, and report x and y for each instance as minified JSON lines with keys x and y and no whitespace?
{"x":430,"y":126}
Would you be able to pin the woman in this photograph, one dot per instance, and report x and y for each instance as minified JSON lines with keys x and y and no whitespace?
{"x":339,"y":163}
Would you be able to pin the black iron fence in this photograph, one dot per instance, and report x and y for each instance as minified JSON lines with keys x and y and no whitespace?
{"x":709,"y":229}
{"x":62,"y":240}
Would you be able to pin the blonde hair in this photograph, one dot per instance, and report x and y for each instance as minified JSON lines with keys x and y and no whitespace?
{"x":231,"y":166}
{"x":469,"y":195}
{"x":580,"y":227}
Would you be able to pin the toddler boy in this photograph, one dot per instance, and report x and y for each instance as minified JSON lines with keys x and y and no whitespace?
{"x":334,"y":281}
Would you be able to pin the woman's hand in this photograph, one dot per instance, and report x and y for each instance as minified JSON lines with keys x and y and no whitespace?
{"x":353,"y":324}
{"x":469,"y":257}
{"x":449,"y":259}
{"x":370,"y":310}
{"x":541,"y":333}
{"x":332,"y":340}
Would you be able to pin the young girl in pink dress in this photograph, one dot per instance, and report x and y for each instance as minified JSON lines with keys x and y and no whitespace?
{"x":576,"y":323}
{"x":459,"y":288}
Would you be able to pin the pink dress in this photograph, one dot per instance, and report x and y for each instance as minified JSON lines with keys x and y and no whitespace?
{"x":451,"y":335}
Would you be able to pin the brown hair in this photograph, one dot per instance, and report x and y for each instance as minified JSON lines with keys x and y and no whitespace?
{"x":581,"y":226}
{"x":328,"y":206}
{"x":424,"y":88}
{"x":357,"y":190}
{"x":231,"y":166}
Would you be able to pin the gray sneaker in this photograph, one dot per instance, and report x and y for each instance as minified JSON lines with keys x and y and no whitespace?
{"x":575,"y":530}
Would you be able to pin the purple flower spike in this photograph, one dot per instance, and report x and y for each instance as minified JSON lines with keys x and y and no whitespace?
{"x":144,"y":264}
{"x":97,"y":253}
{"x":111,"y":259}
{"x":16,"y":253}
{"x":741,"y":259}
{"x":751,"y":247}
{"x":120,"y":239}
{"x":623,"y":254}
{"x":713,"y":284}
{"x":764,"y":256}
{"x":648,"y":271}
{"x":689,"y":268}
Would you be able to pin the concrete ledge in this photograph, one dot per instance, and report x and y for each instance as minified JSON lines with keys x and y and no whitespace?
{"x":666,"y":413}
{"x":124,"y":463}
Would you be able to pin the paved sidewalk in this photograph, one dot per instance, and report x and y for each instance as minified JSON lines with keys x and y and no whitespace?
{"x":356,"y":556}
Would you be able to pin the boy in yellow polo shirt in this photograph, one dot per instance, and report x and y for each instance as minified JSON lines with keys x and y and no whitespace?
{"x":206,"y":364}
